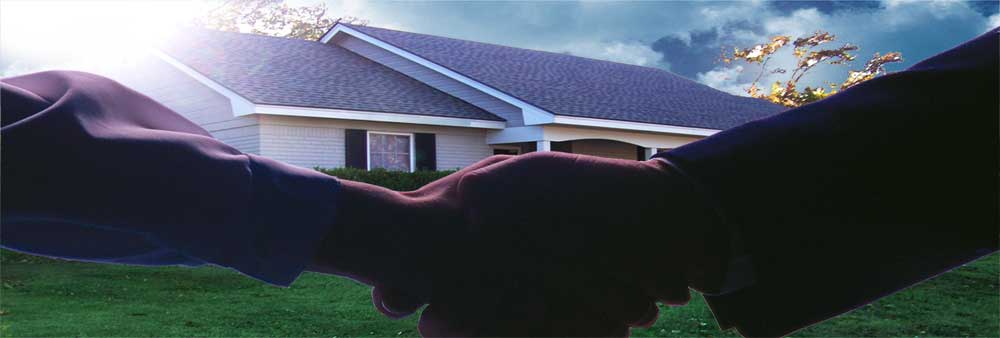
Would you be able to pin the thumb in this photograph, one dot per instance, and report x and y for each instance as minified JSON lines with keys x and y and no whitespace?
{"x":394,"y":303}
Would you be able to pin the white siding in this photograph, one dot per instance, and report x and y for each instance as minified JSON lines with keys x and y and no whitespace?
{"x":605,"y":148}
{"x":174,"y":89}
{"x":434,"y":79}
{"x":303,"y":145}
{"x":319,"y":142}
{"x":459,"y":150}
{"x":244,"y":138}
{"x":189,"y":98}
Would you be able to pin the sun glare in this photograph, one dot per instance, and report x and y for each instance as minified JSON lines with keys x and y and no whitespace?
{"x":85,"y":35}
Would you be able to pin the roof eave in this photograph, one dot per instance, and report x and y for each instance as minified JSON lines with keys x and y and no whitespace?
{"x":360,"y":115}
{"x":633,"y":126}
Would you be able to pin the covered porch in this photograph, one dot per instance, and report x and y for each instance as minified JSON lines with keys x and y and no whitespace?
{"x":628,"y":145}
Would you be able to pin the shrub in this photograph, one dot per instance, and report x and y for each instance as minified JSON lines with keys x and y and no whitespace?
{"x":395,"y":180}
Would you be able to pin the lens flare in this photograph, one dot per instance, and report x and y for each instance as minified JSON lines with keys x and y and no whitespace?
{"x":85,"y":35}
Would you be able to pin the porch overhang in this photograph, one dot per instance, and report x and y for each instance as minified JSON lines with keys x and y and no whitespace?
{"x":561,"y":133}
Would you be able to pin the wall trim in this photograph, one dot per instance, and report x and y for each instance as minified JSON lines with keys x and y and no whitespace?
{"x":516,"y":135}
{"x":377,"y":116}
{"x":627,"y":125}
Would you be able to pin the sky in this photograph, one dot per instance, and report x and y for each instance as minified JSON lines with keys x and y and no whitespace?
{"x":683,"y":37}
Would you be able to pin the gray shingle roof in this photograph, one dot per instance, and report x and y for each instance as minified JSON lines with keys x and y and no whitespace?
{"x":575,"y":86}
{"x":269,"y":70}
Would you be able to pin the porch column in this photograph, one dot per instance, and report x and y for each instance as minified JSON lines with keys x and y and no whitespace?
{"x":649,"y":152}
{"x":543,"y":146}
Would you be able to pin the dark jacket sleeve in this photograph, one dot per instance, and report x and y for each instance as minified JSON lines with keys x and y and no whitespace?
{"x":95,"y":171}
{"x":849,"y":199}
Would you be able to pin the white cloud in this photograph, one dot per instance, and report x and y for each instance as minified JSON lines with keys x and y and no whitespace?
{"x":727,"y":79}
{"x":993,"y":22}
{"x":715,"y":15}
{"x":800,"y":22}
{"x":634,"y":53}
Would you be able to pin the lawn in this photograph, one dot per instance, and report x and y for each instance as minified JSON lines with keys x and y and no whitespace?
{"x":42,"y":297}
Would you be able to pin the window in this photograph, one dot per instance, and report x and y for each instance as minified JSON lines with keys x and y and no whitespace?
{"x":392,"y":151}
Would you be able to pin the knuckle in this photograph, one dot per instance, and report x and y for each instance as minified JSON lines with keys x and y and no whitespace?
{"x":471,"y":184}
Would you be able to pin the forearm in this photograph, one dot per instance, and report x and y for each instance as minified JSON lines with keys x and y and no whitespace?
{"x":95,"y":171}
{"x":856,"y":196}
{"x":898,"y":149}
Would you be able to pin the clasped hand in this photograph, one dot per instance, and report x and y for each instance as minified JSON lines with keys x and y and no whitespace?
{"x":543,"y":244}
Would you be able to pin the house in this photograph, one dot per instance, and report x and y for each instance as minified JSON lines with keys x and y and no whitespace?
{"x":369,"y":97}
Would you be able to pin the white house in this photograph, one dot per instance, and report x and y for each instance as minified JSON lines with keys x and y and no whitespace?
{"x":369,"y":97}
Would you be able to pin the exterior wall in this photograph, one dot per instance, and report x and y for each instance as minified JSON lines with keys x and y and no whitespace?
{"x":186,"y":96}
{"x":242,"y":134}
{"x":434,"y":79}
{"x":605,"y":148}
{"x":455,"y":151}
{"x":319,"y":142}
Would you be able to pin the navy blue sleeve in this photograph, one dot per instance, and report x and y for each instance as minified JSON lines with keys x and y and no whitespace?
{"x":849,"y":199}
{"x":95,"y":171}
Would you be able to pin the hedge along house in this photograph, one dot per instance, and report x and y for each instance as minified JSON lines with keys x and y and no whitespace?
{"x":368,"y":97}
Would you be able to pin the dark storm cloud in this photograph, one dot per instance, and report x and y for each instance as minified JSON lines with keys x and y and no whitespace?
{"x":701,"y":52}
{"x":986,"y":8}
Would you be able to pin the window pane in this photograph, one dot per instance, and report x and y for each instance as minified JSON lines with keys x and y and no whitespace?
{"x":378,"y":160}
{"x":388,"y":151}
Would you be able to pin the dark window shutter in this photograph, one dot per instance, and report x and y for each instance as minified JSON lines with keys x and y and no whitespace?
{"x":640,"y":153}
{"x":425,"y":147}
{"x":355,"y":154}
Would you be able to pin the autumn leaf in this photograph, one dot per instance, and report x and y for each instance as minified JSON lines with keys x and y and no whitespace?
{"x":807,"y":56}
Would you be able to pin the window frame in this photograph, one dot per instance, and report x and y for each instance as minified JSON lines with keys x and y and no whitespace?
{"x":368,"y":147}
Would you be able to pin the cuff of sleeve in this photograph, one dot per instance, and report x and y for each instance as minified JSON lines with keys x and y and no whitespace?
{"x":291,"y":211}
{"x":733,"y":272}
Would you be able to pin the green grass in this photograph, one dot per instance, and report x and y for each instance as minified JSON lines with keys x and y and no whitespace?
{"x":41,"y":297}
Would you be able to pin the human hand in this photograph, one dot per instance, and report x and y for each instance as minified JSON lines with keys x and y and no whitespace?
{"x":569,"y":245}
{"x":401,"y":243}
{"x":534,"y":245}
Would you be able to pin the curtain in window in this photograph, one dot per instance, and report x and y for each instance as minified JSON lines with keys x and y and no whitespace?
{"x":388,"y":151}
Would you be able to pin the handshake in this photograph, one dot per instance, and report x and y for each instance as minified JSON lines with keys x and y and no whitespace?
{"x":543,"y":244}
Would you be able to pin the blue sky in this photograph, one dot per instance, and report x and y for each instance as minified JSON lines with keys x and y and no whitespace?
{"x":683,"y":37}
{"x":686,"y":37}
